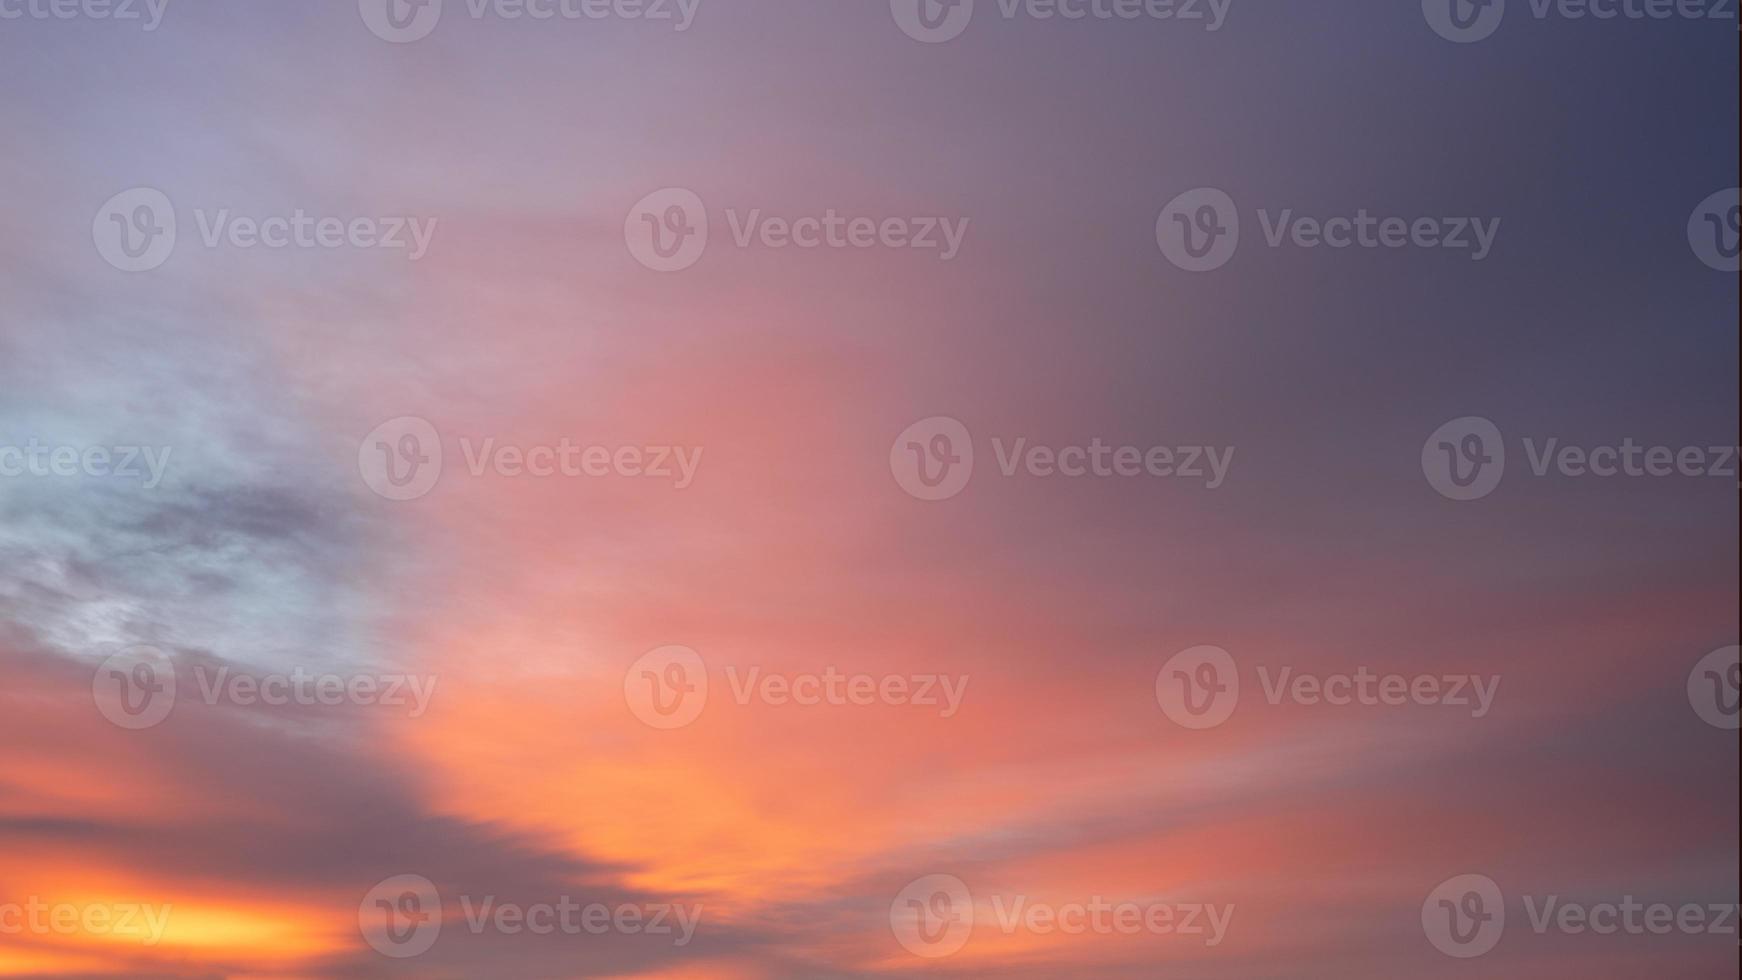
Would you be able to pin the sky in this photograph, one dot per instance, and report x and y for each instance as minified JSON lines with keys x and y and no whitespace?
{"x":752,"y":489}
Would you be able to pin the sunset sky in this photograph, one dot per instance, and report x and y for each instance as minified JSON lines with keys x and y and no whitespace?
{"x":1001,"y":658}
